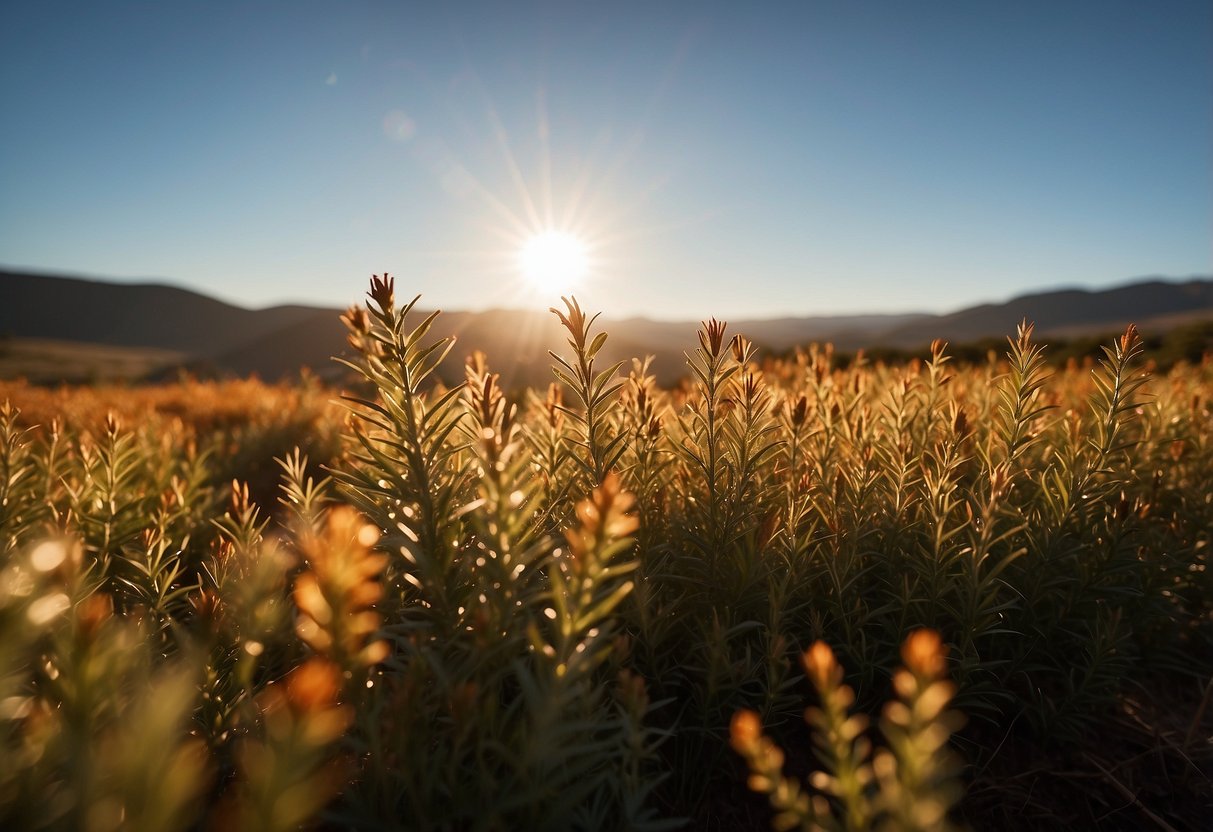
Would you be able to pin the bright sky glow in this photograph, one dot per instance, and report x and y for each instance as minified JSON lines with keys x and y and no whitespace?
{"x":554,"y":262}
{"x":726,"y":159}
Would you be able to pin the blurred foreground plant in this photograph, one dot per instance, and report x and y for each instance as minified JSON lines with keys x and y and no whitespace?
{"x":908,"y":785}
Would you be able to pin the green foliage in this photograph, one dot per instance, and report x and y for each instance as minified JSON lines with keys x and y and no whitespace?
{"x":479,"y":612}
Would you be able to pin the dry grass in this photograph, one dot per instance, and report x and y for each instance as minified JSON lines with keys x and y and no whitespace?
{"x":476,"y":611}
{"x":47,"y":361}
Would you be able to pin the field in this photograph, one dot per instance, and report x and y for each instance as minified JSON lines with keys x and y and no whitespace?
{"x":607,"y":605}
{"x":50,"y":361}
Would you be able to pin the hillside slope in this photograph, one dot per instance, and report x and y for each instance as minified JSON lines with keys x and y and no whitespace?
{"x":217,"y":337}
{"x":131,"y":315}
{"x":1068,"y":311}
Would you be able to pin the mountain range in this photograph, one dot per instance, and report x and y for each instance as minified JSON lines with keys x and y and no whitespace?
{"x":175,"y":328}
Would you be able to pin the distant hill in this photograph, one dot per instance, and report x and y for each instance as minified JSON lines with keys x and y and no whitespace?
{"x":130,"y":315}
{"x":185,"y":329}
{"x":1066,"y":312}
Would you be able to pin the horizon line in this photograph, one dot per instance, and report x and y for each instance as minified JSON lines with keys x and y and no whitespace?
{"x":168,"y":283}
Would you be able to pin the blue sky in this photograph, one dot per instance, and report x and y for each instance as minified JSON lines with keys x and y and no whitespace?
{"x":731,"y":159}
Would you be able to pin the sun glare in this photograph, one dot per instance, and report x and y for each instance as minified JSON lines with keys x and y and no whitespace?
{"x":554,"y":261}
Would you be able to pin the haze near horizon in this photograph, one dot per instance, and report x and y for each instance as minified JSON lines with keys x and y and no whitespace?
{"x":677,"y":162}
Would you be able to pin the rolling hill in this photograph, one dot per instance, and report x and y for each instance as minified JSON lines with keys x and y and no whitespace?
{"x":168,"y":328}
{"x":1066,"y":312}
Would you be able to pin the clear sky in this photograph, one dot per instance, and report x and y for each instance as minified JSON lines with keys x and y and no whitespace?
{"x":736,"y":159}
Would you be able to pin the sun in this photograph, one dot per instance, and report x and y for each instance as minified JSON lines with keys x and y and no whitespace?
{"x":554,"y":261}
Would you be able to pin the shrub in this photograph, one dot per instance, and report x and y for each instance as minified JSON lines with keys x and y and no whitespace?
{"x":463,"y":609}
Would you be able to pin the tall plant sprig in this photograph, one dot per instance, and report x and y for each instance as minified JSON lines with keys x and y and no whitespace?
{"x":927,"y":424}
{"x":1088,"y":572}
{"x":106,"y":500}
{"x":1019,"y":402}
{"x":798,"y":520}
{"x":824,"y":401}
{"x":18,"y":497}
{"x":902,"y":461}
{"x":586,"y":583}
{"x":1114,"y":403}
{"x":994,"y":525}
{"x":752,"y":438}
{"x":702,"y":447}
{"x":647,"y":459}
{"x":244,"y":607}
{"x":945,"y":517}
{"x":547,"y":438}
{"x":507,"y":541}
{"x":752,"y":500}
{"x":917,"y":773}
{"x":595,"y":389}
{"x":305,"y":497}
{"x":403,"y":476}
{"x":1082,"y":473}
{"x":909,"y":784}
{"x":565,"y":753}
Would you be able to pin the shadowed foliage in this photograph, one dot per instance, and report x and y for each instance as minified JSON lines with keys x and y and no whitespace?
{"x":428,"y":600}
